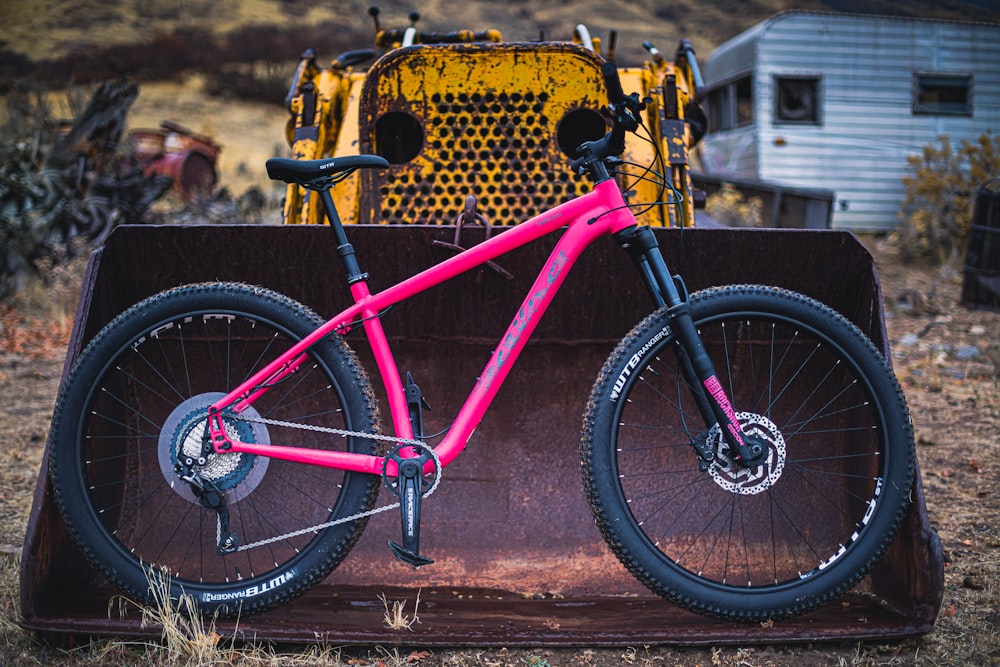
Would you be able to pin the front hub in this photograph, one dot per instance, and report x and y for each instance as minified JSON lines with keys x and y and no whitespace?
{"x":758,"y":473}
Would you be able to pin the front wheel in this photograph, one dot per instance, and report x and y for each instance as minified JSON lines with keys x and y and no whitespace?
{"x":136,"y":403}
{"x":776,"y":536}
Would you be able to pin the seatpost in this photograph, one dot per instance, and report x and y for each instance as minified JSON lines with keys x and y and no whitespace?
{"x":344,"y":248}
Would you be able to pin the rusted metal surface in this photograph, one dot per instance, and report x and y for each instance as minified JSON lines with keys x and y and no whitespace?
{"x":500,"y":121}
{"x":179,"y":153}
{"x":483,"y":617}
{"x":518,"y":558}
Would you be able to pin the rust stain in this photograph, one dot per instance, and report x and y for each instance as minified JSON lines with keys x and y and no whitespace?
{"x":497,"y":120}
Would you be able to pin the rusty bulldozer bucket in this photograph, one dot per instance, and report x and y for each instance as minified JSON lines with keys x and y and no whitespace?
{"x":518,"y":557}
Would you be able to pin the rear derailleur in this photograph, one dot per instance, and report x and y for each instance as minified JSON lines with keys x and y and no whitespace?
{"x":210,"y":497}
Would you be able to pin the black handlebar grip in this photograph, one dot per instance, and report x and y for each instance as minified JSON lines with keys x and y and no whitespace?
{"x":613,"y":83}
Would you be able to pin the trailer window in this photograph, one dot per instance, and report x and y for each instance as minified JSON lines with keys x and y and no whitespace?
{"x":942,"y":94}
{"x":730,"y":105}
{"x":744,"y":101}
{"x":797,"y":99}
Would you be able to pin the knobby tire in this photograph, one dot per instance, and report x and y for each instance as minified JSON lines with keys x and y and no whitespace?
{"x":136,"y":400}
{"x":768,"y":541}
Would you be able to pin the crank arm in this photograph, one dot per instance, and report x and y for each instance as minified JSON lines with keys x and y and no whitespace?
{"x":410,"y":483}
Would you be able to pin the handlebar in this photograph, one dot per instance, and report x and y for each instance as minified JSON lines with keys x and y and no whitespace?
{"x":613,"y":83}
{"x":622,"y":110}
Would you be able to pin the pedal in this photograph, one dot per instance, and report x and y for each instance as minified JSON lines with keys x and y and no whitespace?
{"x":410,"y":486}
{"x":407,"y":556}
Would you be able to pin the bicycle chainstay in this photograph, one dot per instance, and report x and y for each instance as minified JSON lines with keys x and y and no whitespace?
{"x":347,"y":519}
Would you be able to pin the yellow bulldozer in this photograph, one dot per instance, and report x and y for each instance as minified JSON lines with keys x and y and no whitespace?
{"x":479,"y":134}
{"x":465,"y":113}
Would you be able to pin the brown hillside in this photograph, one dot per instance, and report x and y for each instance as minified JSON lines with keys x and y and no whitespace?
{"x":54,"y":29}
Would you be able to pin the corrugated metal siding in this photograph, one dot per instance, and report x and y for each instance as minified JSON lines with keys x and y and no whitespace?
{"x":868,"y":127}
{"x":736,"y":55}
{"x":733,"y":153}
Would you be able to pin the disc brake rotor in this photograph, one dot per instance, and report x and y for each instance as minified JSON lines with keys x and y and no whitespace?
{"x":736,"y":478}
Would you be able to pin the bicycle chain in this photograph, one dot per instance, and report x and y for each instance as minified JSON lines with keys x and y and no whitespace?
{"x":335,"y":431}
{"x":347,"y":519}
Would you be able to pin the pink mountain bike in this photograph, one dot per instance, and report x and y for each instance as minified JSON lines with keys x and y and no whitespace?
{"x":228,"y":435}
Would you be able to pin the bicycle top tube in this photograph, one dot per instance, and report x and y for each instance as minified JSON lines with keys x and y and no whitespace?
{"x":598,"y":213}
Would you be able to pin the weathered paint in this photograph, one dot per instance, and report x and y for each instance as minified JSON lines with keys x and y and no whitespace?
{"x":866,"y":66}
{"x":496,"y":120}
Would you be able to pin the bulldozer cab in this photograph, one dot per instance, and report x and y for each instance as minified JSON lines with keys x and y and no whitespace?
{"x":500,"y":121}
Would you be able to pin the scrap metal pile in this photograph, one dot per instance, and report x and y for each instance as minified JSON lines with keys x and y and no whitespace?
{"x":63,"y":186}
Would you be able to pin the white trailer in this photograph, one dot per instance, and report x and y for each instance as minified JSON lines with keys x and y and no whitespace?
{"x":838,"y":102}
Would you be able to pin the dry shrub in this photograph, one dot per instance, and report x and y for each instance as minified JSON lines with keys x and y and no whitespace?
{"x":731,"y":208}
{"x":940,"y":196}
{"x":396,"y":618}
{"x":58,"y":187}
{"x":187,"y":636}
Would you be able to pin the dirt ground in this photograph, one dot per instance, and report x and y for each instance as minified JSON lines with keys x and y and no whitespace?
{"x":947,"y":357}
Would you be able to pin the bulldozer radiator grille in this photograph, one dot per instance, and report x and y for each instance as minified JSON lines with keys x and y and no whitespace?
{"x":500,"y":123}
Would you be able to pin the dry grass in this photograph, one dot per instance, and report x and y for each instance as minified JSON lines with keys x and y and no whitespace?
{"x":187,"y":636}
{"x":187,"y":639}
{"x":396,"y":618}
{"x":37,"y":323}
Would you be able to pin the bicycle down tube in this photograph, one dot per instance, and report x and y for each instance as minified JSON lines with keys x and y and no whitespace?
{"x":598,"y":213}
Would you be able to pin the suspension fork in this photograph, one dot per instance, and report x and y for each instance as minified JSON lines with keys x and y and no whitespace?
{"x":711,"y":399}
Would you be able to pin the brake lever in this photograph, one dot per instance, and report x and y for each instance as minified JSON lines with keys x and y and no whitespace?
{"x":625,"y":112}
{"x":624,"y":117}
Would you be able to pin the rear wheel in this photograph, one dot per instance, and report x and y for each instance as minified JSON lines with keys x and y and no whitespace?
{"x":136,"y":403}
{"x":788,"y":531}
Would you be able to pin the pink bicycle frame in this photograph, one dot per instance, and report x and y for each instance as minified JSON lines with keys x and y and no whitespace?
{"x":600,"y":212}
